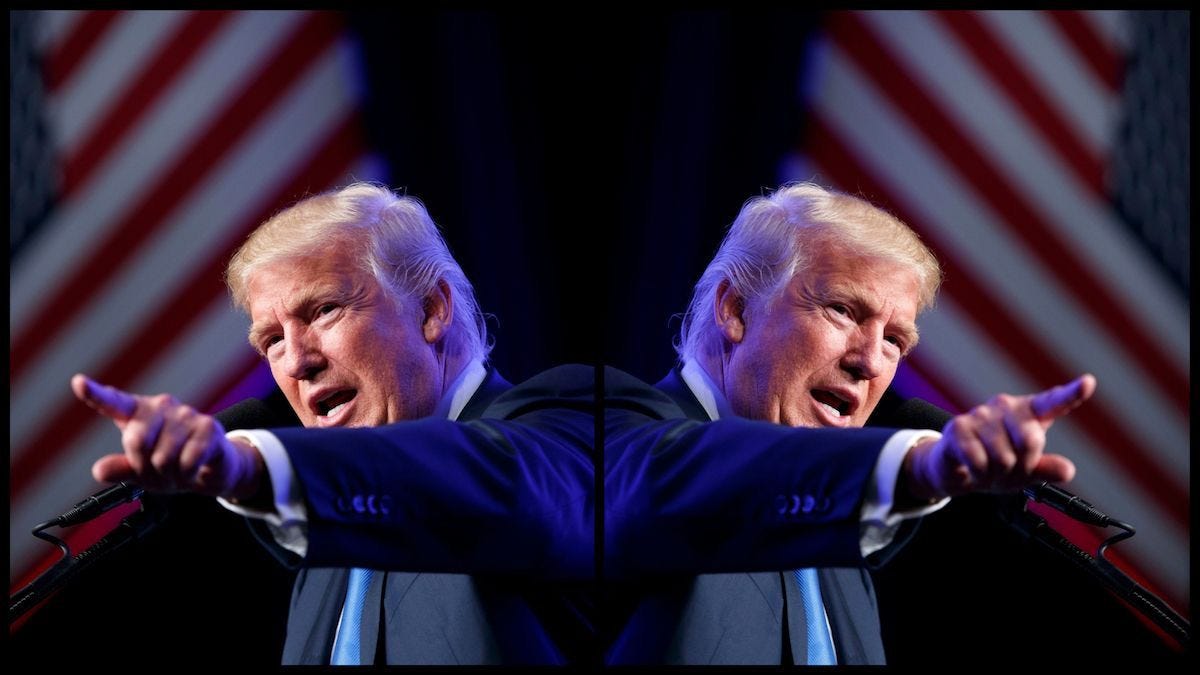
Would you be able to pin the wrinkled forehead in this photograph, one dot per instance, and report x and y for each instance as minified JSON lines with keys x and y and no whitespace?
{"x":835,"y":260}
{"x":834,"y":250}
{"x":292,"y":280}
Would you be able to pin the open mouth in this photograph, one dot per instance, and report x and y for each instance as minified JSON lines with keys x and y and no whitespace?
{"x":331,"y":404}
{"x":834,"y":403}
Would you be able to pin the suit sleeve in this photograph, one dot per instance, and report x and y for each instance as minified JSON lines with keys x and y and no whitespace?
{"x":488,"y":496}
{"x":683,"y":496}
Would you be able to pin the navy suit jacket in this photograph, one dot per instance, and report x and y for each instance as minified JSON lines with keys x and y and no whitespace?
{"x":738,"y":500}
{"x":504,"y":494}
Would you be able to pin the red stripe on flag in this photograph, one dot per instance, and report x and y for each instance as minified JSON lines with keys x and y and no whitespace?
{"x":1054,"y":130}
{"x":144,"y":89}
{"x":70,"y":419}
{"x":835,"y":156}
{"x":863,"y":44}
{"x":75,"y":47}
{"x":1104,"y":60}
{"x":316,"y":34}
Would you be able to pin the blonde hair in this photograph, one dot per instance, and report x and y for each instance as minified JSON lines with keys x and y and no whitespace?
{"x":773,"y":239}
{"x":394,"y":239}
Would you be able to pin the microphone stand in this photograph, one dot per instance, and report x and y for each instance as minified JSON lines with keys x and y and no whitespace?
{"x":1032,"y":526}
{"x":133,"y":527}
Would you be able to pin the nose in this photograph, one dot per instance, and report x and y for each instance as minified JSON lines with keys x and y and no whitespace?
{"x":864,"y":358}
{"x":302,"y":357}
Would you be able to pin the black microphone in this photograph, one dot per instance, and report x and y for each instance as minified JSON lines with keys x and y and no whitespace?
{"x":251,"y":413}
{"x":1066,"y":502}
{"x":135,"y":526}
{"x":257,"y":413}
{"x":915,"y":413}
{"x":103,"y":501}
{"x":908,"y":413}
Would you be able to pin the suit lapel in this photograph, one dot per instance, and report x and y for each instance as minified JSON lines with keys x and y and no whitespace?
{"x":492,"y":386}
{"x":317,"y":598}
{"x":850,"y":604}
{"x":673,"y":385}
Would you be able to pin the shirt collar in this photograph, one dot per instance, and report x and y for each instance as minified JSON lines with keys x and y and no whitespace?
{"x":461,"y":390}
{"x":705,"y":391}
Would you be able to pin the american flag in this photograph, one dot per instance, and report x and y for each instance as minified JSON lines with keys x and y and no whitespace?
{"x":1044,"y":157}
{"x":145,"y":146}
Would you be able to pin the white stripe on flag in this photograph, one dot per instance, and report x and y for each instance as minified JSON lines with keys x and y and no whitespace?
{"x":1069,"y":84}
{"x":92,"y":91}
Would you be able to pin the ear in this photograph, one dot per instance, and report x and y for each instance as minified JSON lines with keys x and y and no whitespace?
{"x":439,"y":312}
{"x":728,"y":312}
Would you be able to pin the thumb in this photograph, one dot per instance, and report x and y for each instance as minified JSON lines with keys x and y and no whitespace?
{"x":113,"y":469}
{"x":1053,"y":468}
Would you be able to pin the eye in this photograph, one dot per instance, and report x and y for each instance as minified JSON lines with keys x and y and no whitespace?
{"x":897,"y":341}
{"x":271,"y":340}
{"x":326,"y":309}
{"x":840,"y":309}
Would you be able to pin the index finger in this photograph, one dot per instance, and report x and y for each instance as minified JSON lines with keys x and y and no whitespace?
{"x":1060,"y":400}
{"x":108,"y":401}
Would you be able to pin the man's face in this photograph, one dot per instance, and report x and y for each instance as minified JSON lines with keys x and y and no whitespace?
{"x":344,"y":352}
{"x":823,"y":353}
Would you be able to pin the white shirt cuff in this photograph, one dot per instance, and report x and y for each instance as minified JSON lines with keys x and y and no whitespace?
{"x":288,"y":522}
{"x":879,"y":521}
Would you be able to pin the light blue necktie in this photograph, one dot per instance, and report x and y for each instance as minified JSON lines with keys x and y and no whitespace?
{"x":346,"y":648}
{"x":820,"y":643}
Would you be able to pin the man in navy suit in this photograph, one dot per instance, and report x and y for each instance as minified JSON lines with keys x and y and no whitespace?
{"x":417,"y":461}
{"x":794,"y":332}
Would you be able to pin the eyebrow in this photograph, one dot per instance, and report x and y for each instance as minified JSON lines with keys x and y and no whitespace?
{"x":255,"y":335}
{"x":305,"y":297}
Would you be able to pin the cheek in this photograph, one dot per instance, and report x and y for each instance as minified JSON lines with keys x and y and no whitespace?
{"x":792,"y":368}
{"x":828,"y":341}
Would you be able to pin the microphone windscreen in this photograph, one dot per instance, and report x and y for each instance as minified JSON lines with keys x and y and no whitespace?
{"x":913,"y":413}
{"x":255,"y":413}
